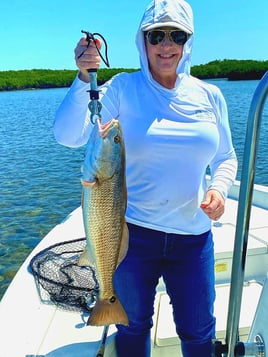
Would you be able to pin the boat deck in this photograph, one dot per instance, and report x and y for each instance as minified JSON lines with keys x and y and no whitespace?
{"x":45,"y":330}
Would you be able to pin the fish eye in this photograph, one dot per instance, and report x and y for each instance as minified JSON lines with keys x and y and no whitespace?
{"x":117,"y":139}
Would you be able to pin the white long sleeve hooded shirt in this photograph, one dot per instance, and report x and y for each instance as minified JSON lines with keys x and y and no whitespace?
{"x":171,"y":135}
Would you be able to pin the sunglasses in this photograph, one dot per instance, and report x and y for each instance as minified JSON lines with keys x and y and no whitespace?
{"x":155,"y":37}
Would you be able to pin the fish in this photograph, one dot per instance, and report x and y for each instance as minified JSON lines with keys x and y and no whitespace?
{"x":104,"y":200}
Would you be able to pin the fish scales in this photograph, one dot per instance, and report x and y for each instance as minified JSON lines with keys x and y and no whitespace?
{"x":103,"y":223}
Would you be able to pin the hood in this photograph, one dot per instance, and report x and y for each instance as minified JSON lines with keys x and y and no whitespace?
{"x":176,"y":13}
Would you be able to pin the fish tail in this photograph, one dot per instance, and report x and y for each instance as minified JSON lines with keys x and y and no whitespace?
{"x":108,"y":312}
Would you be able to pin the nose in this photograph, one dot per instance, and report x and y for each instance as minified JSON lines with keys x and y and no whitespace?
{"x":167,"y":40}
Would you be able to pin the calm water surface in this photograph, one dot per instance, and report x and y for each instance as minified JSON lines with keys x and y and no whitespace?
{"x":40,"y":180}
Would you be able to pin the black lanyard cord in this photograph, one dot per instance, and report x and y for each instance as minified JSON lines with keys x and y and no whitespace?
{"x":91,"y":36}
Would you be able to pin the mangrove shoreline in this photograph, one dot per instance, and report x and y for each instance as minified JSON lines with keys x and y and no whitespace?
{"x":48,"y":78}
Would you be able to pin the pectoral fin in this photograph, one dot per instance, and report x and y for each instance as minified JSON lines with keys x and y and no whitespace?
{"x":85,"y":259}
{"x":89,"y":184}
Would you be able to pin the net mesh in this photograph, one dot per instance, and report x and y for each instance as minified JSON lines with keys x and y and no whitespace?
{"x":60,"y":280}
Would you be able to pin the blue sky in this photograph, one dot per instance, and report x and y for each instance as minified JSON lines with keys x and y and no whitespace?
{"x":43,"y":33}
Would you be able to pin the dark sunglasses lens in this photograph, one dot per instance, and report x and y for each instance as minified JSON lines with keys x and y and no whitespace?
{"x":179,"y":37}
{"x":155,"y":37}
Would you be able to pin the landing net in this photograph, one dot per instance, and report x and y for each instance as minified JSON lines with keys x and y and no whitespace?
{"x":60,"y":280}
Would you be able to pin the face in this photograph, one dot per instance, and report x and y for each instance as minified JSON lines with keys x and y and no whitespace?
{"x":163,"y":59}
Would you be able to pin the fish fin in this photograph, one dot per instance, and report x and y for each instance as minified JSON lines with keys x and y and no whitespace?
{"x":124,"y":243}
{"x":88,"y":183}
{"x":108,"y":312}
{"x":84,"y":259}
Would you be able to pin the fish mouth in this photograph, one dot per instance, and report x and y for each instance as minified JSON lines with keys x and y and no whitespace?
{"x":105,"y":128}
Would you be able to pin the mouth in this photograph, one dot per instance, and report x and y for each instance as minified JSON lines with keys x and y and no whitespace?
{"x":165,"y":56}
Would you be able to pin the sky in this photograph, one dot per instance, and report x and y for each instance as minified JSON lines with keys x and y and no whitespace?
{"x":44,"y":33}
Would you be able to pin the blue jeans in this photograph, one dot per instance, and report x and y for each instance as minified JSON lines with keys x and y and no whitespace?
{"x":186,"y":263}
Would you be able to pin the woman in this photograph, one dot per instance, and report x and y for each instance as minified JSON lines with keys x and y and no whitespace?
{"x":174,"y":126}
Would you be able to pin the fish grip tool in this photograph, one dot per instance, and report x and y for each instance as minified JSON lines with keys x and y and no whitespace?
{"x":94,"y":105}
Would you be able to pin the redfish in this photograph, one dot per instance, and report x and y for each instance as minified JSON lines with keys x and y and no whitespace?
{"x":104,"y":198}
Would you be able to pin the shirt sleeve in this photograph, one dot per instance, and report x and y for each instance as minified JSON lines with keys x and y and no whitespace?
{"x":72,"y":121}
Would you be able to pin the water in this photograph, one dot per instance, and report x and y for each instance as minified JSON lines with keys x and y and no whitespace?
{"x":40,"y":179}
{"x":238,"y":96}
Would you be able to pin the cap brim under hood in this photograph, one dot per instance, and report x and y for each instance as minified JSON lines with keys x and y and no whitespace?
{"x":166,"y":24}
